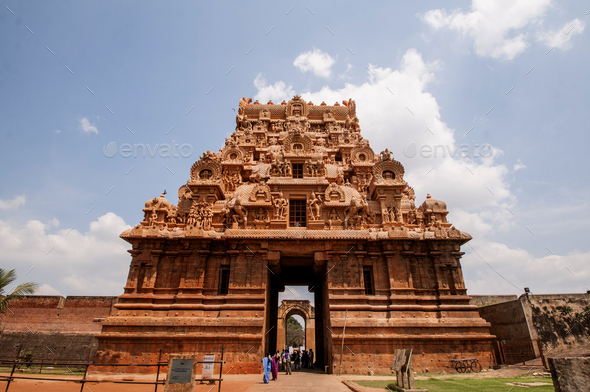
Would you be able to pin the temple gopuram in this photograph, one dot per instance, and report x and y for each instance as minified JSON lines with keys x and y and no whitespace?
{"x":296,"y":197}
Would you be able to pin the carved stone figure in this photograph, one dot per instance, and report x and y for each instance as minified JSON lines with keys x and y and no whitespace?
{"x":236,"y":211}
{"x":280,"y":204}
{"x":315,"y":206}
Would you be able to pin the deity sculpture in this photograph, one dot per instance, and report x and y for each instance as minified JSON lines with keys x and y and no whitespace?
{"x":315,"y":206}
{"x":280,"y":204}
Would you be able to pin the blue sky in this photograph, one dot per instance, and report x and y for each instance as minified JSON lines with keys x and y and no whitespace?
{"x":77,"y":76}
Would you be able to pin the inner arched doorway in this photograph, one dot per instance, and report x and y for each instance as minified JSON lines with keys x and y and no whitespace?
{"x":300,"y":308}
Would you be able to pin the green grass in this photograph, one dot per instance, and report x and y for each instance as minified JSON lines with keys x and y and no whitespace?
{"x":464,"y":385}
{"x":61,"y":371}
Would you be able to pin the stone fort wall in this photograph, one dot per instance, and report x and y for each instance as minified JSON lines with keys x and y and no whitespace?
{"x":558,"y":321}
{"x":53,"y":327}
{"x":64,"y":327}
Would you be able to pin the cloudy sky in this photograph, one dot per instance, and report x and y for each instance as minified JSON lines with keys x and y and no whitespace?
{"x":498,"y":90}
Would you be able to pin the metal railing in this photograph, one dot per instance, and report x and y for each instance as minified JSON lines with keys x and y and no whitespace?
{"x":20,"y":362}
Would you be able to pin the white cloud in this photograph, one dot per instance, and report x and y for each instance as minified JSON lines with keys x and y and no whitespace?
{"x":316,"y":61}
{"x":57,"y":131}
{"x":276,"y":92}
{"x":548,"y":274}
{"x":67,"y":261}
{"x":12,"y":204}
{"x":46,"y":289}
{"x":86,"y":127}
{"x":519,"y":165}
{"x":561,"y":39}
{"x":387,"y":123}
{"x":493,"y":25}
{"x":477,"y":191}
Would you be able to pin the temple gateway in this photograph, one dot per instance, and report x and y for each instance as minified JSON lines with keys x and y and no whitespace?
{"x":296,"y":197}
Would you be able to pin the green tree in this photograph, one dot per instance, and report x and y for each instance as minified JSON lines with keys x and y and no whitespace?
{"x":6,"y":278}
{"x":294,"y":333}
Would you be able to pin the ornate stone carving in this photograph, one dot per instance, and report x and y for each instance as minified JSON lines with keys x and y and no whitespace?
{"x":261,"y":192}
{"x":362,"y":156}
{"x":232,"y":155}
{"x":297,"y":107}
{"x":334,"y":193}
{"x":200,"y":216}
{"x":314,"y":204}
{"x":281,"y":204}
{"x":388,"y":172}
{"x":315,"y":169}
{"x":206,"y":170}
{"x":231,"y":181}
{"x":235,"y":211}
{"x":357,"y":215}
{"x":298,"y":144}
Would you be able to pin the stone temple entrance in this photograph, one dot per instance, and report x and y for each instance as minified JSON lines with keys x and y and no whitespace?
{"x":296,"y":196}
{"x":300,"y":308}
{"x":294,"y":272}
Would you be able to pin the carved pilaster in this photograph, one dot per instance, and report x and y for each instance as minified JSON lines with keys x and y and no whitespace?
{"x":407,"y":256}
{"x":131,"y":286}
{"x":151,"y":271}
{"x":360,"y":255}
{"x":187,"y":278}
{"x":391,"y":270}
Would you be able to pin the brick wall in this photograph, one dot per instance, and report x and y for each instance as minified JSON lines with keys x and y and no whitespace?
{"x":53,"y":327}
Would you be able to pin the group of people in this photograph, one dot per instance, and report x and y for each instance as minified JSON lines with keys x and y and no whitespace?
{"x":299,"y":358}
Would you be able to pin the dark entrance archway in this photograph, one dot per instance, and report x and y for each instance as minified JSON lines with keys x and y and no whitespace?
{"x":299,"y":272}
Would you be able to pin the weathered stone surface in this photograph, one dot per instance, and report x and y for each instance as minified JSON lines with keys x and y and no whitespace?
{"x":296,"y":197}
{"x":54,"y":327}
{"x":570,"y":374}
{"x":558,"y":321}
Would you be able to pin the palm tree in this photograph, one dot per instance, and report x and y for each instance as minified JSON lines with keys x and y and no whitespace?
{"x":6,"y":278}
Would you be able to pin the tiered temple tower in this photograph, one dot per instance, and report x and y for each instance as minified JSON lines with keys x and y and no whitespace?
{"x":296,"y":197}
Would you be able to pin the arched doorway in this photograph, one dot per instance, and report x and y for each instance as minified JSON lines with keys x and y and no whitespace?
{"x":300,"y":308}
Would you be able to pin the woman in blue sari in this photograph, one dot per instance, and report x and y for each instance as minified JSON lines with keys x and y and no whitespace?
{"x":266,"y":365}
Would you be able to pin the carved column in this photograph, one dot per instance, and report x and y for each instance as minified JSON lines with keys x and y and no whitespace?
{"x":441,"y":280}
{"x":131,"y":286}
{"x":151,"y":271}
{"x":360,"y":255}
{"x":211,"y":282}
{"x":389,"y":256}
{"x":457,"y":273}
{"x":187,"y":277}
{"x":421,"y":261}
{"x":237,"y":273}
{"x":407,"y":256}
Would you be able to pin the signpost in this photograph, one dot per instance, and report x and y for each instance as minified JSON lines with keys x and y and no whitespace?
{"x":208,"y":367}
{"x":181,"y":373}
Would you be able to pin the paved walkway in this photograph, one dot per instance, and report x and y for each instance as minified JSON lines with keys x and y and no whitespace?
{"x":301,"y":381}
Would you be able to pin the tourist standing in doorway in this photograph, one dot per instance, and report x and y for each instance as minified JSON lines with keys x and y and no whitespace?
{"x":311,"y":363}
{"x":275,"y":366}
{"x":298,"y":359}
{"x":305,"y":359}
{"x":287,"y":358}
{"x":282,"y":360}
{"x":266,"y":365}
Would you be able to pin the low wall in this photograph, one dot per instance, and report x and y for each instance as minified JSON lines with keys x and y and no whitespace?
{"x":485,"y":300}
{"x":558,"y":321}
{"x":53,"y":327}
